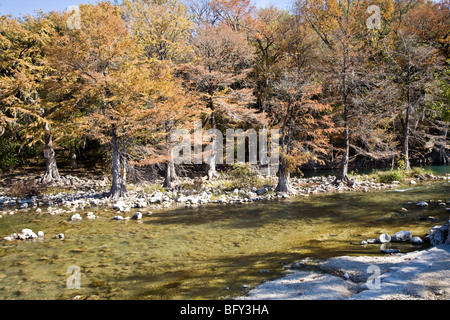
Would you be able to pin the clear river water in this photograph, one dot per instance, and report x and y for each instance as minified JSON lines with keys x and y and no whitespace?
{"x":209,"y":252}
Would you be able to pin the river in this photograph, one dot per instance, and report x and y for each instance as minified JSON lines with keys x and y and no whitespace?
{"x":208,"y":252}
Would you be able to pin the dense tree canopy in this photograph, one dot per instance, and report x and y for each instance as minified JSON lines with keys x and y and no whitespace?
{"x":343,"y":91}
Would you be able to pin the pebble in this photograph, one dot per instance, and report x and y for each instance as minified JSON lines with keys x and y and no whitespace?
{"x":90,"y":216}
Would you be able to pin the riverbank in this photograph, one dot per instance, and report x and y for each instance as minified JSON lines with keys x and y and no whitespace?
{"x":85,"y":192}
{"x":419,"y":275}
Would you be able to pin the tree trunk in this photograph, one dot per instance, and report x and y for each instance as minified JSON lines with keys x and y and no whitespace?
{"x":170,"y":176}
{"x":408,"y":110}
{"x":118,"y":188}
{"x":51,"y":170}
{"x":124,"y":163}
{"x":406,"y":139}
{"x":211,"y":164}
{"x":283,"y":178}
{"x":343,"y":168}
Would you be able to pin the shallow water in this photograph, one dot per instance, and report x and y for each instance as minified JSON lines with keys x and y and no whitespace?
{"x":207,"y":252}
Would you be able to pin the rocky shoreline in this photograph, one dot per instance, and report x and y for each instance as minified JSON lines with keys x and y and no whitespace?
{"x":92,"y":193}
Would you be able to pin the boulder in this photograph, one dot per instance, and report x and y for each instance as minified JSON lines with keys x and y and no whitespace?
{"x":384,"y":238}
{"x":402,"y":236}
{"x":137,"y":216}
{"x":26,"y":234}
{"x":439,"y":235}
{"x":417,"y":240}
{"x":261,"y":192}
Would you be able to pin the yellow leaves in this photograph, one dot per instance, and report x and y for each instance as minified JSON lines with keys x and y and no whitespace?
{"x":160,"y":27}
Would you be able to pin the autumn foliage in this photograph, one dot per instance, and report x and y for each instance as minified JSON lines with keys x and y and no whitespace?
{"x":342,"y":94}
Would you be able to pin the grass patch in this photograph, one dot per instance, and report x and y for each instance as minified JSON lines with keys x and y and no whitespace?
{"x":390,"y":176}
{"x":398,"y":174}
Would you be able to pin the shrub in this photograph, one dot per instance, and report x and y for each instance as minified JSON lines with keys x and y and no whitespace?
{"x":391,"y":175}
{"x":244,"y":176}
{"x":26,"y":188}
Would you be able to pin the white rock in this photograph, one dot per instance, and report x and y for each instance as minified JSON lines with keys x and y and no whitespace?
{"x":32,"y":235}
{"x":75,"y":217}
{"x":422,"y":204}
{"x":412,"y":182}
{"x":7,"y":238}
{"x":142,"y":204}
{"x":402,"y":236}
{"x":119,"y":204}
{"x":40,"y":233}
{"x":384,"y":238}
{"x":118,"y":218}
{"x":417,"y":240}
{"x":60,"y":236}
{"x":27,"y":231}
